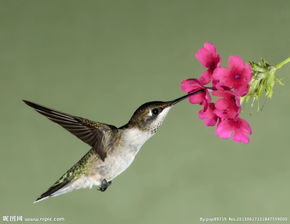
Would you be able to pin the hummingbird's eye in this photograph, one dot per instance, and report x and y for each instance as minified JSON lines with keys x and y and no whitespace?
{"x":155,"y":111}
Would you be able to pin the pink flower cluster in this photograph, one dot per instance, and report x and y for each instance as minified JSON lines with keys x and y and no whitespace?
{"x":229,"y":84}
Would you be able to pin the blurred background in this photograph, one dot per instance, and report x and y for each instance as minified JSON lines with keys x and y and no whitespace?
{"x":101,"y":60}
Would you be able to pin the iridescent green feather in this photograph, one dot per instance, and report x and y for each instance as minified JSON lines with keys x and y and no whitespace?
{"x":77,"y":170}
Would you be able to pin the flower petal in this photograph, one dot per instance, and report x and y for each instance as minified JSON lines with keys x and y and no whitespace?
{"x":197,"y":98}
{"x":241,"y":128}
{"x":220,"y":73}
{"x":240,"y":136}
{"x":236,"y":61}
{"x":248,"y":72}
{"x":190,"y":85}
{"x":245,"y":125}
{"x":220,"y":93}
{"x":224,"y":130}
{"x":207,"y":114}
{"x":205,"y":77}
{"x":209,"y":46}
{"x":242,"y":90}
{"x":203,"y":55}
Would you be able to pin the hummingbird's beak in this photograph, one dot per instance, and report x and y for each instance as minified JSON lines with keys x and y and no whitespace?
{"x":173,"y":102}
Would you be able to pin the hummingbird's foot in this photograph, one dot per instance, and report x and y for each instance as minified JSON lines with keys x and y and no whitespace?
{"x":104,"y":185}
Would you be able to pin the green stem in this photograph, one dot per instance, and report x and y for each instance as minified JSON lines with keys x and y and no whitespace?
{"x":281,"y":64}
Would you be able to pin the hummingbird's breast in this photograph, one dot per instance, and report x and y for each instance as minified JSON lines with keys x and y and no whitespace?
{"x":123,"y":153}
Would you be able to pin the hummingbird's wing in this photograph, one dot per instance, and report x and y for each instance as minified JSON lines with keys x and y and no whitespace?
{"x":90,"y":132}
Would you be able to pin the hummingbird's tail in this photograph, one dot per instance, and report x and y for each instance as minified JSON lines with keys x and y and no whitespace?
{"x":55,"y":190}
{"x":75,"y":178}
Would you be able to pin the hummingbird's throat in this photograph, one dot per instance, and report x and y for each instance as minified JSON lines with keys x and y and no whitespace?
{"x":156,"y":123}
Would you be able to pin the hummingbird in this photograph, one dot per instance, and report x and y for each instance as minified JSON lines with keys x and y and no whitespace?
{"x":112,"y":149}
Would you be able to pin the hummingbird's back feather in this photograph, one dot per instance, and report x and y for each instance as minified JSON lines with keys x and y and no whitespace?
{"x":90,"y":132}
{"x":75,"y":178}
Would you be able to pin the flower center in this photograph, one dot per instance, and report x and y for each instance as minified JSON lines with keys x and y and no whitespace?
{"x":237,"y":76}
{"x":212,"y":66}
{"x":233,"y":98}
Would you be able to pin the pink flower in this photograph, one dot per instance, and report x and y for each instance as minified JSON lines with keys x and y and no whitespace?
{"x":237,"y":76}
{"x":210,"y":59}
{"x":229,"y":84}
{"x":228,"y":106}
{"x":236,"y":128}
{"x":208,"y":56}
{"x":193,"y":85}
{"x":207,"y":114}
{"x":206,"y":77}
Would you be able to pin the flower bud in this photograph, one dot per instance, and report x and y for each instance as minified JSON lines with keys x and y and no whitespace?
{"x":263,"y":81}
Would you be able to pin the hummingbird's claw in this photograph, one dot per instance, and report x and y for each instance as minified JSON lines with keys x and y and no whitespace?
{"x":104,"y":185}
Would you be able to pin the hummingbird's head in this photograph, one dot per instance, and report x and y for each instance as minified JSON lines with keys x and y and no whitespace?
{"x":150,"y":116}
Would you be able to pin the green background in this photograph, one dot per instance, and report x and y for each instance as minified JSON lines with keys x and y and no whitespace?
{"x":101,"y":60}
